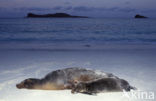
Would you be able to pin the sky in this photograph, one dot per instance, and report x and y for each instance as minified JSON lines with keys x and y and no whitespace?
{"x":94,"y":8}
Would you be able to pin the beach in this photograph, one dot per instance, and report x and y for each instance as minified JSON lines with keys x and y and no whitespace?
{"x":135,"y":65}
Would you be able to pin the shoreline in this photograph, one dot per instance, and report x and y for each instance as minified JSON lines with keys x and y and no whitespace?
{"x":80,"y":47}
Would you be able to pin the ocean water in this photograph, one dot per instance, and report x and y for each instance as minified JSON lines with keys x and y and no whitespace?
{"x":68,"y":32}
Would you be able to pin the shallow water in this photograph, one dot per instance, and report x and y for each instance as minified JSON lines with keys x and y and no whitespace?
{"x":47,"y":33}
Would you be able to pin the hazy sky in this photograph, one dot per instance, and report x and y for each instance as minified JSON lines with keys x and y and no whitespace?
{"x":97,"y":8}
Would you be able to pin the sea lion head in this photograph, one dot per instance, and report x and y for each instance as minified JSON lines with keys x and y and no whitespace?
{"x":28,"y":83}
{"x":79,"y":88}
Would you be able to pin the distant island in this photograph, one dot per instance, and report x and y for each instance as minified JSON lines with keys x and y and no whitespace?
{"x":140,"y":16}
{"x":55,"y":15}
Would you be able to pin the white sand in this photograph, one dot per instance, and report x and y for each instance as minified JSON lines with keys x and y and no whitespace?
{"x":136,"y":66}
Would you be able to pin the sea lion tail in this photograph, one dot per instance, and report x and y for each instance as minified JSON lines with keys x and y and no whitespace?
{"x":133,"y":88}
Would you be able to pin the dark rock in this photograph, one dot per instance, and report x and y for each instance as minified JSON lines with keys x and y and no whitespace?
{"x":56,"y":15}
{"x":140,"y":16}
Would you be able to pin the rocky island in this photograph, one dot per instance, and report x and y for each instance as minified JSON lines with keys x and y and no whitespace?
{"x":55,"y":15}
{"x":140,"y":16}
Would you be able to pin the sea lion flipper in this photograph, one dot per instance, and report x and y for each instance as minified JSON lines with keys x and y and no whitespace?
{"x":89,"y":93}
{"x":133,"y":88}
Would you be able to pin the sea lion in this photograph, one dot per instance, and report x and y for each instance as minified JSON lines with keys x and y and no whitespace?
{"x":102,"y":85}
{"x":80,"y":80}
{"x":63,"y":79}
